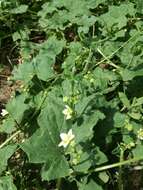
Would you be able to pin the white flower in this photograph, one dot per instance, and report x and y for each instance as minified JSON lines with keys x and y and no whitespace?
{"x":66,"y":138}
{"x":68,"y":112}
{"x":4,"y":112}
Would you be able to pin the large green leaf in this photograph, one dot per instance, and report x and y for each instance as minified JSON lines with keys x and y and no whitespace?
{"x":45,"y":60}
{"x":42,"y":147}
{"x":24,"y":72}
{"x":116,"y":16}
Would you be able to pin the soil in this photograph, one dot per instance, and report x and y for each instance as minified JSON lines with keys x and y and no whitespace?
{"x":5,"y":88}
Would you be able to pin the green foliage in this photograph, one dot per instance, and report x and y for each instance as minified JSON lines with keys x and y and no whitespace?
{"x":6,"y":182}
{"x":5,"y":154}
{"x":78,"y":108}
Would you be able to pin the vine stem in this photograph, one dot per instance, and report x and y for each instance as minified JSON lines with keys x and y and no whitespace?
{"x":108,"y":59}
{"x":9,"y":139}
{"x":120,"y":181}
{"x":88,"y":61}
{"x":122,"y":46}
{"x":118,"y":164}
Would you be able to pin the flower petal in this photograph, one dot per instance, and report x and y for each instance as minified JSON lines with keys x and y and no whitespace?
{"x":63,"y":136}
{"x":60,"y":144}
{"x":4,"y":112}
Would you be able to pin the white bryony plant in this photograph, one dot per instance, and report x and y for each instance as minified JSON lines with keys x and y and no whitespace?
{"x":4,"y":112}
{"x":68,"y":112}
{"x":66,"y":138}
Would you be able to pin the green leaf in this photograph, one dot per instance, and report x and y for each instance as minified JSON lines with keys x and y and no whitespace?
{"x":139,"y":6}
{"x":51,"y":117}
{"x":52,"y":46}
{"x":57,"y":168}
{"x":90,"y":185}
{"x":83,"y":103}
{"x":17,"y":108}
{"x":135,"y":115}
{"x":20,"y":9}
{"x":119,"y":120}
{"x":73,"y":12}
{"x":75,"y":49}
{"x":137,"y":102}
{"x":84,"y":23}
{"x":42,"y":146}
{"x":131,"y":53}
{"x":6,"y":183}
{"x":8,"y":125}
{"x":45,"y":60}
{"x":5,"y":154}
{"x":137,"y":151}
{"x":93,"y":4}
{"x":104,"y":177}
{"x":23,"y":72}
{"x":103,"y":77}
{"x":47,"y":8}
{"x":90,"y":158}
{"x":84,"y":131}
{"x":128,"y":75}
{"x":67,"y":87}
{"x":100,"y":157}
{"x":85,"y":162}
{"x":44,"y":67}
{"x":16,"y":36}
{"x":124,"y":99}
{"x":116,"y":16}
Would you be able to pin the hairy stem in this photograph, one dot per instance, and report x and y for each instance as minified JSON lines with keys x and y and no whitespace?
{"x":9,"y":139}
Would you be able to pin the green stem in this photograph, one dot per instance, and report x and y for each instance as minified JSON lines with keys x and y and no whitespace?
{"x":108,"y":59}
{"x":88,"y":61}
{"x":120,"y":182}
{"x":58,"y":183}
{"x":9,"y":139}
{"x":118,"y":164}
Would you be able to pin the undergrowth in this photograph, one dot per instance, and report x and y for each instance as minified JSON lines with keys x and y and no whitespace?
{"x":76,"y":120}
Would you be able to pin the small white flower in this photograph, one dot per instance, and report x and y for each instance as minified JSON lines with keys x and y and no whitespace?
{"x":4,"y":112}
{"x":66,"y":138}
{"x":68,"y":112}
